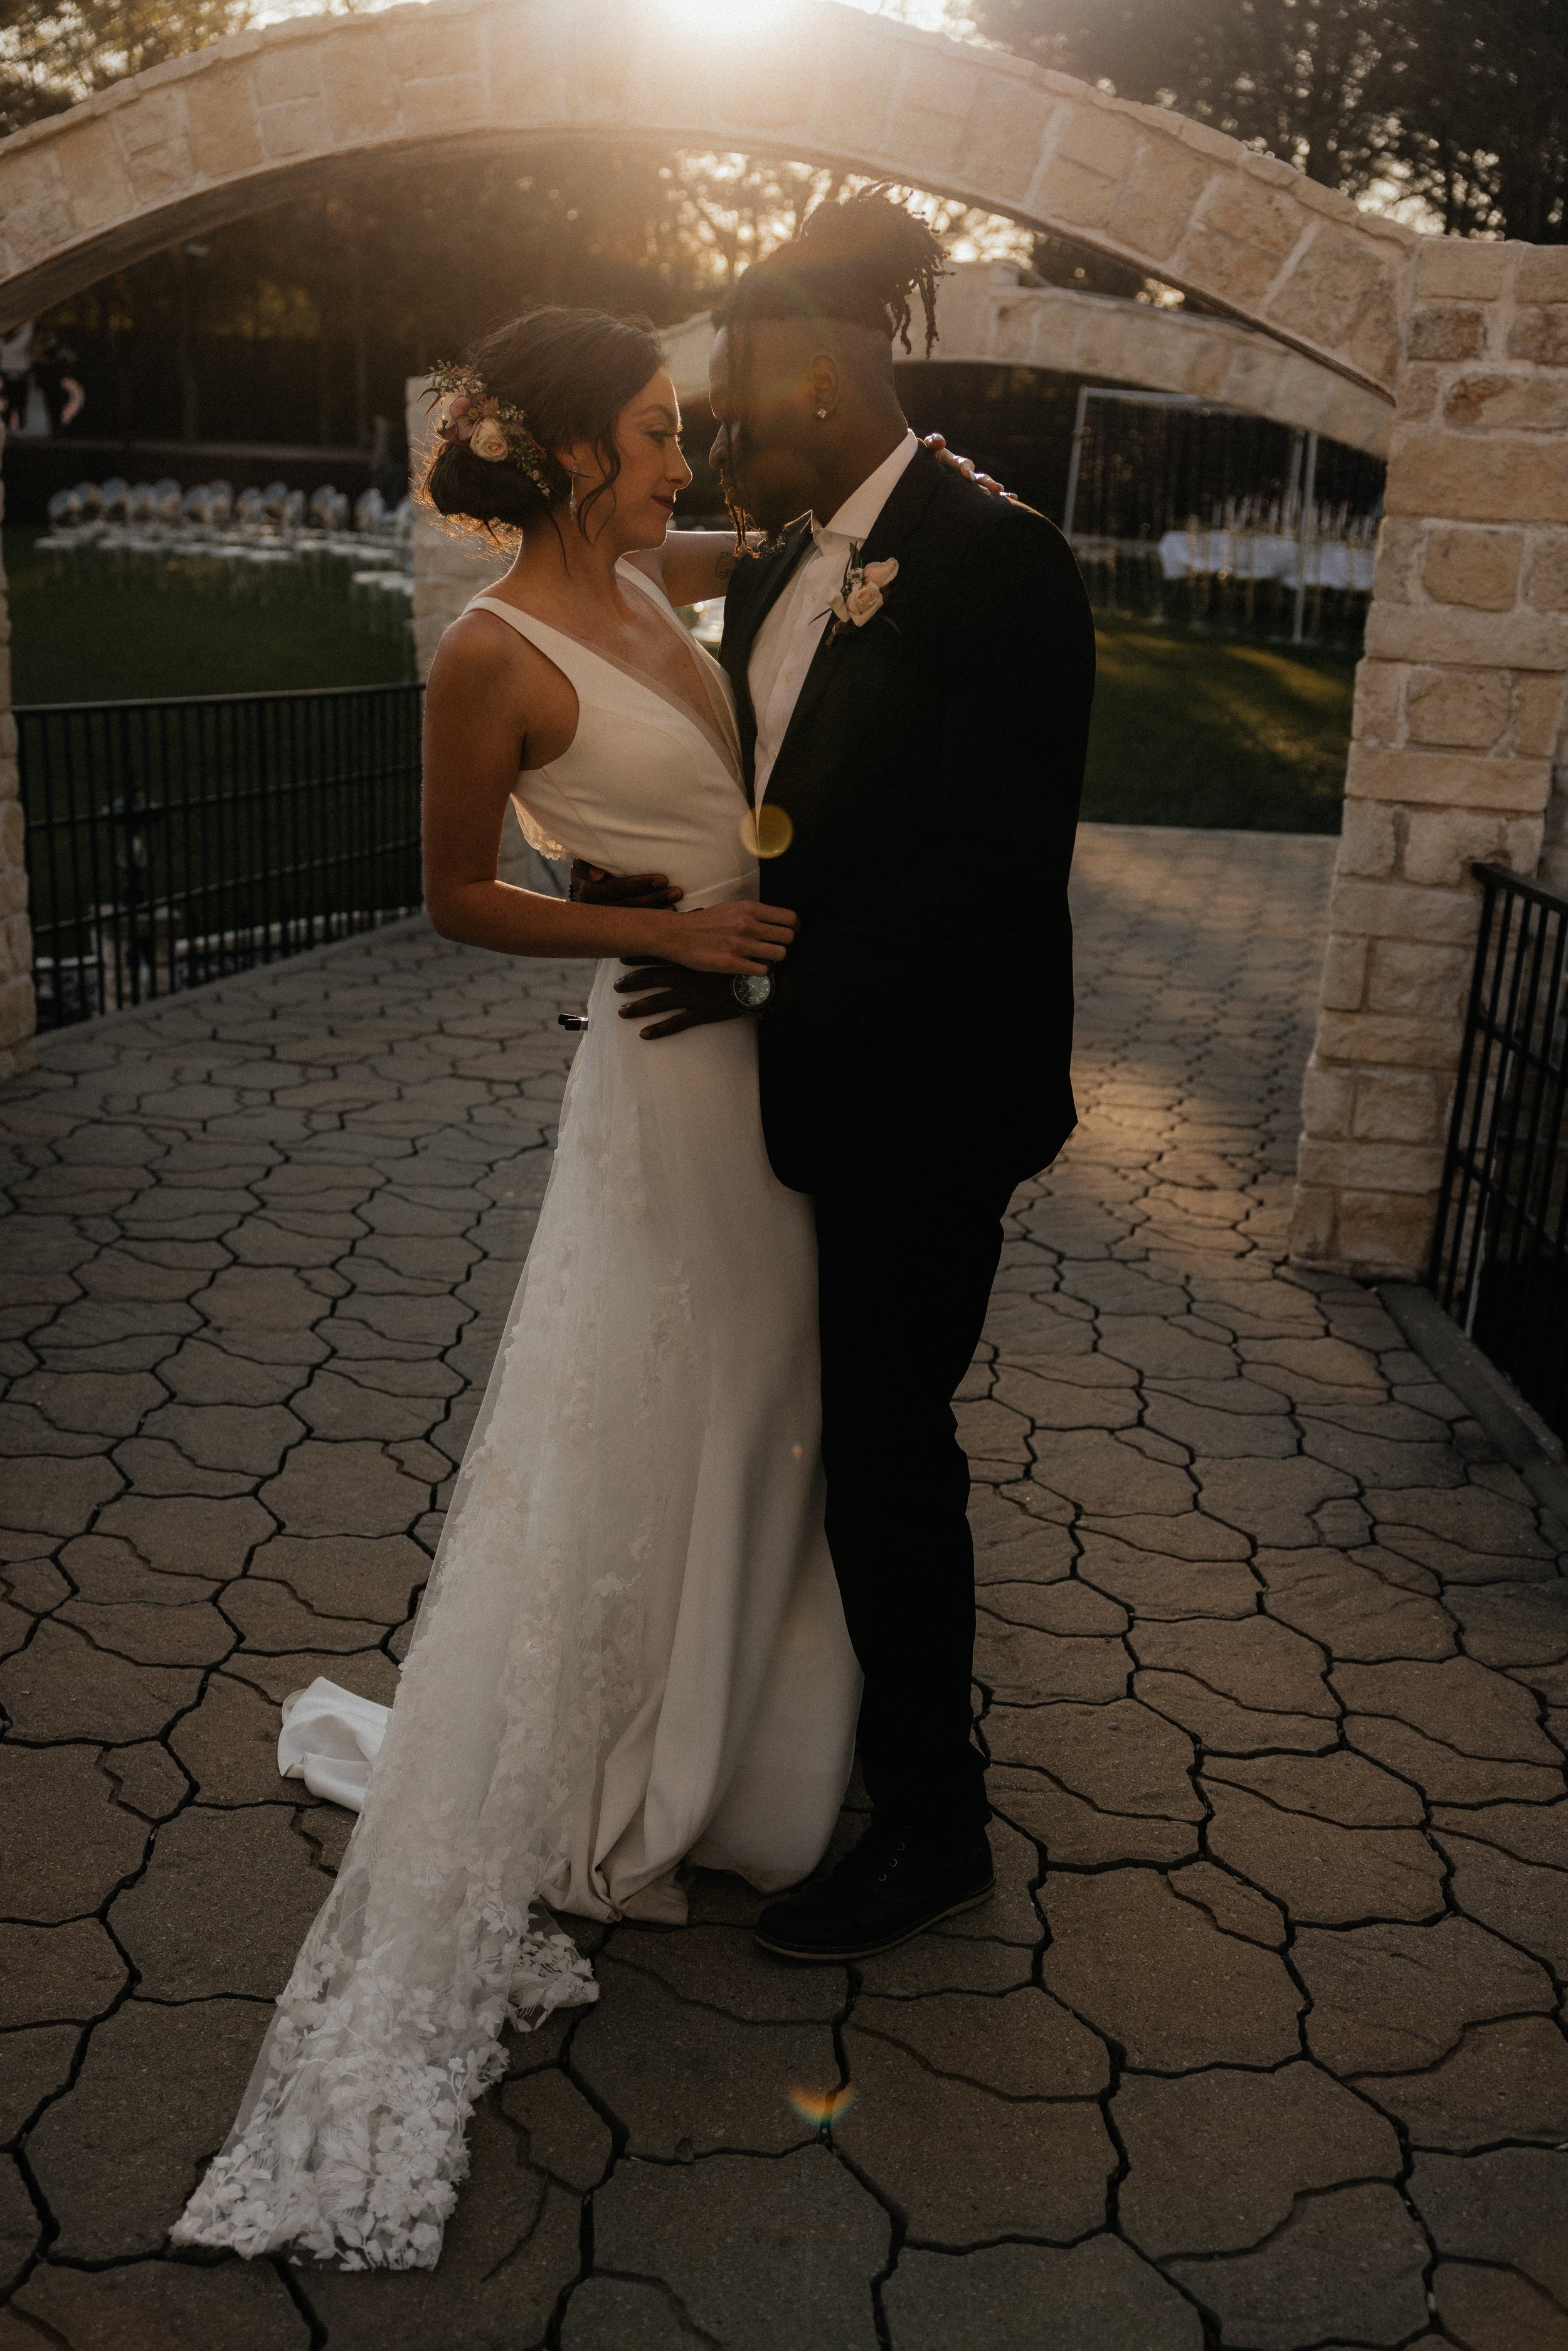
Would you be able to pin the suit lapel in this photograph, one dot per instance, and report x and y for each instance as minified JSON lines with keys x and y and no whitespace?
{"x":773,"y":574}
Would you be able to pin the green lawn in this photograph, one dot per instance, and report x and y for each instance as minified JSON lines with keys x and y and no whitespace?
{"x":114,"y":643}
{"x":1197,"y":731}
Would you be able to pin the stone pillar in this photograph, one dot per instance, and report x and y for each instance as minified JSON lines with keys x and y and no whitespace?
{"x":18,"y":1009}
{"x":1459,"y":712}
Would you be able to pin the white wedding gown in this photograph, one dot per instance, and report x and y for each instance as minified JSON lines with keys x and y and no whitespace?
{"x":631,"y":1655}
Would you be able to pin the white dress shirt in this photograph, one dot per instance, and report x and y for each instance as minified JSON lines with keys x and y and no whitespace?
{"x":782,"y":651}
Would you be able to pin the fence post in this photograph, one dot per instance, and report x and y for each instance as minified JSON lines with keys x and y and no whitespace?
{"x":18,"y":1010}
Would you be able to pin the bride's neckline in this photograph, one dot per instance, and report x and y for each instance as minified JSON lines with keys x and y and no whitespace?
{"x":721,"y":734}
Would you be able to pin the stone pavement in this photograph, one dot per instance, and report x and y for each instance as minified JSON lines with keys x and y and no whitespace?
{"x":1259,"y":2044}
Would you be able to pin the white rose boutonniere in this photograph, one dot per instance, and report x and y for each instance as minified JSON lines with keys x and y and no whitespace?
{"x":860,"y":592}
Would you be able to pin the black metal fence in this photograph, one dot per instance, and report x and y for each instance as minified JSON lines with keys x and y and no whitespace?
{"x":174,"y":843}
{"x":1499,"y":1261}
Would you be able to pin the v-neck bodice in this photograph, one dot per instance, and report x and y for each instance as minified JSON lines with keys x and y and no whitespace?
{"x":644,"y":786}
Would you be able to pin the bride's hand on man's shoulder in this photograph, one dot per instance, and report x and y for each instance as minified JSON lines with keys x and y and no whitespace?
{"x":936,"y":444}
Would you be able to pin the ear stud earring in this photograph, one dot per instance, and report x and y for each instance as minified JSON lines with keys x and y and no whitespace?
{"x":821,"y":416}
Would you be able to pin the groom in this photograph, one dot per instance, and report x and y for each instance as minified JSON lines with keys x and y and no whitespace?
{"x":912,"y":661}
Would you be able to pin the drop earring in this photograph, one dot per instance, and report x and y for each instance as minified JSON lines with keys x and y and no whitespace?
{"x":571,"y":498}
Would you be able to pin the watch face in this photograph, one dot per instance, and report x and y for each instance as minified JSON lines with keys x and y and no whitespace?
{"x":752,"y":990}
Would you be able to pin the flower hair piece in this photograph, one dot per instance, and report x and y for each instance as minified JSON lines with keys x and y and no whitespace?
{"x":474,"y":419}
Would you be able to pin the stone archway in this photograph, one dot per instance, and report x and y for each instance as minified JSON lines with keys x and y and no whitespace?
{"x":1460,"y":706}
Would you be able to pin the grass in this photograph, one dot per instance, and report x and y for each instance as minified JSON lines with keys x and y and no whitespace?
{"x":1205,"y":732}
{"x":110,"y":643}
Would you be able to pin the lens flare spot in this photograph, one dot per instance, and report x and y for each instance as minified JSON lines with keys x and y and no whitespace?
{"x":822,"y":2108}
{"x":765,"y":832}
{"x":797,"y":1453}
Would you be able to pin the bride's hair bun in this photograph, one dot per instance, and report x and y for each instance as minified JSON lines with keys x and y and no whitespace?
{"x":571,"y":372}
{"x":860,"y":261}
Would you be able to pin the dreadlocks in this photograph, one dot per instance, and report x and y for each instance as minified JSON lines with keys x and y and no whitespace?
{"x":860,"y":262}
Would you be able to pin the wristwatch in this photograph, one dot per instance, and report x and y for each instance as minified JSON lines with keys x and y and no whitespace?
{"x":752,"y":990}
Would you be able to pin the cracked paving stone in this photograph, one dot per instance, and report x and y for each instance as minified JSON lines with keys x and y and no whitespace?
{"x":1390,"y":1999}
{"x":964,"y":2164}
{"x":562,"y":2134}
{"x":55,"y":1975}
{"x":1252,"y":1661}
{"x":1324,"y":1874}
{"x":1338,"y":1786}
{"x":271,"y":1618}
{"x":1093,"y":2296}
{"x":248,"y":1439}
{"x":369,"y":1577}
{"x":34,"y":2064}
{"x":1217,"y":2159}
{"x":1456,"y":1702}
{"x":1469,"y":1519}
{"x":1022,"y":1666}
{"x":687,"y":2080}
{"x":1070,"y":1608}
{"x":1011,"y":1548}
{"x":335,"y":1407}
{"x":52,"y":1496}
{"x":1272,"y":1501}
{"x":1378,"y":1455}
{"x":1079,"y":1835}
{"x":758,"y":2252}
{"x":146,"y":1779}
{"x":368,"y":1673}
{"x":1236,"y":1909}
{"x":96,"y":1403}
{"x":203,"y":1374}
{"x":351,"y":1488}
{"x":1510,"y":2204}
{"x":119,"y":2155}
{"x":228,"y":1744}
{"x":149,"y":1635}
{"x":65,"y":1844}
{"x":1347,"y":2265}
{"x":195,"y":1535}
{"x":1351,"y":1611}
{"x":20,"y":2227}
{"x":1157,"y":1977}
{"x":1099,"y":1473}
{"x":1153,"y":1588}
{"x":165,"y":2306}
{"x":156,"y":1468}
{"x":1528,"y":1904}
{"x":510,"y":2250}
{"x":1024,"y":2045}
{"x":1486,"y":2309}
{"x":1083,"y":1401}
{"x":1513,"y":1623}
{"x":107,"y":1571}
{"x":63,"y":1686}
{"x":1504,"y":2081}
{"x":607,"y":2314}
{"x":222,"y":1906}
{"x":938,"y":1963}
{"x":1224,"y":1727}
{"x":1442,"y":1773}
{"x":722,"y":1967}
{"x":1220,"y":1435}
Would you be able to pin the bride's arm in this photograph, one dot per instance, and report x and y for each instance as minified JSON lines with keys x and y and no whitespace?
{"x":474,"y":733}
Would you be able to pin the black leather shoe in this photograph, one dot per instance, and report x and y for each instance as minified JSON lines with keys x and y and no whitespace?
{"x":888,"y":1889}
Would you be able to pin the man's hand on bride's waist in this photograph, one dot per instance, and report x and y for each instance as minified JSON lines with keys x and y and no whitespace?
{"x":593,"y":886}
{"x":674,"y":999}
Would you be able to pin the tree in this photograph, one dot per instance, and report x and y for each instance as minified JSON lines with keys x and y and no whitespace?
{"x":54,"y":52}
{"x":1478,"y":115}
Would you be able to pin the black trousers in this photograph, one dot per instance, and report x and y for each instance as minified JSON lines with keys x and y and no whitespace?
{"x":905,"y":1277}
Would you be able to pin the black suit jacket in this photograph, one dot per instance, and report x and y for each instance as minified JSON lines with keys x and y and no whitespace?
{"x":932,"y":772}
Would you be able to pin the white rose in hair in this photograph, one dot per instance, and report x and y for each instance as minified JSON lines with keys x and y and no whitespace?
{"x":488,"y":442}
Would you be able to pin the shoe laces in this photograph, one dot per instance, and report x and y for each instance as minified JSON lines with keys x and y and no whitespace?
{"x":876,"y":1856}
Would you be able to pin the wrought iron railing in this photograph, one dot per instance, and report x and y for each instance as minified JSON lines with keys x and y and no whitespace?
{"x":1499,"y":1260}
{"x":174,"y":843}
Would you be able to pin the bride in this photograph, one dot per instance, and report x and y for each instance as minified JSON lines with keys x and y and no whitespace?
{"x":631,"y":1656}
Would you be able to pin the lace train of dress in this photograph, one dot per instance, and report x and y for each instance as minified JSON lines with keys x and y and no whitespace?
{"x":631,"y":1654}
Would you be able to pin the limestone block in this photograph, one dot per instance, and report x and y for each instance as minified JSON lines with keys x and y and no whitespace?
{"x":299,"y":125}
{"x":432,"y":47}
{"x":1383,"y":1037}
{"x":1369,"y":839}
{"x":1344,"y":974}
{"x":1390,"y":1167}
{"x":1448,"y":779}
{"x":37,"y":215}
{"x":1462,"y":707}
{"x":770,"y":79}
{"x":156,"y":147}
{"x":287,"y":71}
{"x":1446,"y":333}
{"x":457,"y":102}
{"x":1328,"y":1101}
{"x":1411,"y":977}
{"x":1400,"y":543}
{"x":1238,"y":238}
{"x":1330,"y":284}
{"x":931,"y":119}
{"x":1007,"y":127}
{"x":1537,"y":728}
{"x":1421,"y":388}
{"x":1441,"y":843}
{"x":1546,"y":579}
{"x":1476,"y":567}
{"x":1158,"y":198}
{"x":94,"y":171}
{"x":359,"y":86}
{"x":1388,"y":1231}
{"x":1373,"y":347}
{"x":1440,"y":633}
{"x":1453,"y":268}
{"x":1399,"y":1106}
{"x":1511,"y":403}
{"x":854,"y":90}
{"x":1541,"y":335}
{"x":1400,"y":911}
{"x":1499,"y":479}
{"x":220,"y":122}
{"x":1378,"y":693}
